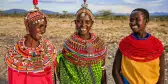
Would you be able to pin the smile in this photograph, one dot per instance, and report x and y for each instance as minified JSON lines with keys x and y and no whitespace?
{"x":135,"y":27}
{"x":83,"y":29}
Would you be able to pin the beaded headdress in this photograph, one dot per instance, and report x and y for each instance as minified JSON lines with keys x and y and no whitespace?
{"x":84,"y":10}
{"x":35,"y":15}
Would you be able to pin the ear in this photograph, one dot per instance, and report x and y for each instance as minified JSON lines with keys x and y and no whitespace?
{"x":146,"y":22}
{"x":92,"y":22}
{"x":75,"y":21}
{"x":27,"y":27}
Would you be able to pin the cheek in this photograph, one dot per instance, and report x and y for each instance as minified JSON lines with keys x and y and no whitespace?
{"x":37,"y":30}
{"x":141,"y":24}
{"x":78,"y":25}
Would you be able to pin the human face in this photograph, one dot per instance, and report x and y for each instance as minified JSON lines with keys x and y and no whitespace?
{"x":137,"y":21}
{"x":83,"y":23}
{"x":37,"y":30}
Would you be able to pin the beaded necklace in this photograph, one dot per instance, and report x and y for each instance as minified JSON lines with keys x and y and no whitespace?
{"x":24,"y":59}
{"x":83,"y":52}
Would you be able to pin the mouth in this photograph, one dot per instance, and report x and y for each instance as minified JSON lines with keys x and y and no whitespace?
{"x":135,"y":27}
{"x":39,"y":34}
{"x":83,"y":29}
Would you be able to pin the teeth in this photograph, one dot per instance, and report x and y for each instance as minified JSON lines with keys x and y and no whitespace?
{"x":83,"y":29}
{"x":134,"y":27}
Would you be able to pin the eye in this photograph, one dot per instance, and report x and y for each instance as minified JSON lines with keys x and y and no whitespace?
{"x":78,"y":21}
{"x":131,"y":20}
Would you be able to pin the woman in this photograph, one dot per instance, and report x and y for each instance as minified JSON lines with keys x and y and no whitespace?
{"x":32,"y":60}
{"x":139,"y":59}
{"x":83,"y":56}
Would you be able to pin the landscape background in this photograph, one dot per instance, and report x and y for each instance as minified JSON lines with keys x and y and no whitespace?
{"x":111,"y":24}
{"x":111,"y":27}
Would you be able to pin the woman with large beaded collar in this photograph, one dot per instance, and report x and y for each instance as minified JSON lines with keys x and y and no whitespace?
{"x":82,"y":60}
{"x":31,"y":60}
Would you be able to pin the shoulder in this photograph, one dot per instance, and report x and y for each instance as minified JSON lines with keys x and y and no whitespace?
{"x":48,"y":42}
{"x":125,"y":39}
{"x":49,"y":46}
{"x":156,"y":41}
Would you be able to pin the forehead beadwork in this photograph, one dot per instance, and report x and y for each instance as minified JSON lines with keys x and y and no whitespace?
{"x":34,"y":17}
{"x":82,"y":12}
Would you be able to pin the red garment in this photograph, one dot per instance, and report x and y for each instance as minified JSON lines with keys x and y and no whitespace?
{"x":15,"y":77}
{"x":27,"y":68}
{"x":141,"y":50}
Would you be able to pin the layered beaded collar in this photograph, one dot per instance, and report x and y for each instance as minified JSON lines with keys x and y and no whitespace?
{"x":30,"y":51}
{"x":76,"y":37}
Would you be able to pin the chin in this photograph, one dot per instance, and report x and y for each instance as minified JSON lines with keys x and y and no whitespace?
{"x":83,"y":33}
{"x":135,"y":30}
{"x":37,"y":39}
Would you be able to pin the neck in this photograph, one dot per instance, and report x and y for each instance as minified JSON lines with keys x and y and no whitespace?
{"x":141,"y":34}
{"x":30,"y":42}
{"x":85,"y":37}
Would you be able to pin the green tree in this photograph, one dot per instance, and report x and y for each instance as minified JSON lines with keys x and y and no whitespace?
{"x":65,"y":13}
{"x":1,"y":11}
{"x":105,"y":13}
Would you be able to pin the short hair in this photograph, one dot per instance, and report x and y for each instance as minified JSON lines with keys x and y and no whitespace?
{"x":144,"y":11}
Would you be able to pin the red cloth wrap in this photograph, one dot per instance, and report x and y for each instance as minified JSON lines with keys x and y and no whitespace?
{"x":141,"y":50}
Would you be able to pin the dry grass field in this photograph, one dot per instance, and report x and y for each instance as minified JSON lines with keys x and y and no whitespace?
{"x":111,"y":31}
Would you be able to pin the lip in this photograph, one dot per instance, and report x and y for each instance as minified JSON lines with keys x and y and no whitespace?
{"x":135,"y":27}
{"x":39,"y":34}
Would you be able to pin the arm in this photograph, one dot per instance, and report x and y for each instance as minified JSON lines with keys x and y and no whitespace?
{"x":117,"y":68}
{"x":162,"y":70}
{"x":104,"y":76}
{"x":58,"y":71}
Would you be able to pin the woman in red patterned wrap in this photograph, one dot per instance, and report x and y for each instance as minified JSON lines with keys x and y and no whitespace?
{"x":32,"y":60}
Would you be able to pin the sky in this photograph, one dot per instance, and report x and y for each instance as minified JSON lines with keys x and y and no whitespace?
{"x":116,"y":6}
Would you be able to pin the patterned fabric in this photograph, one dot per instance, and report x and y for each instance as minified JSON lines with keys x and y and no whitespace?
{"x":81,"y":60}
{"x":24,"y":59}
{"x":143,"y":50}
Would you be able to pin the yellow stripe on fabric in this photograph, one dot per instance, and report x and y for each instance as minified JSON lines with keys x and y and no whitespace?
{"x":140,"y":72}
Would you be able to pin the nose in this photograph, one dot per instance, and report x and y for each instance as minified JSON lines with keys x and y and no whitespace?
{"x":83,"y":23}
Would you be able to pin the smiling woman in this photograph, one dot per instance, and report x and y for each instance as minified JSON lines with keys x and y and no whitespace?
{"x":32,"y":60}
{"x":82,"y":60}
{"x":140,"y":57}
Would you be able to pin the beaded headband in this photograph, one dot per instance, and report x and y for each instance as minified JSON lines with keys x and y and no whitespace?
{"x":35,"y":15}
{"x":84,"y":10}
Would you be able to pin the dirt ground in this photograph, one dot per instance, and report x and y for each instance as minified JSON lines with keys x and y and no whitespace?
{"x":111,"y":31}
